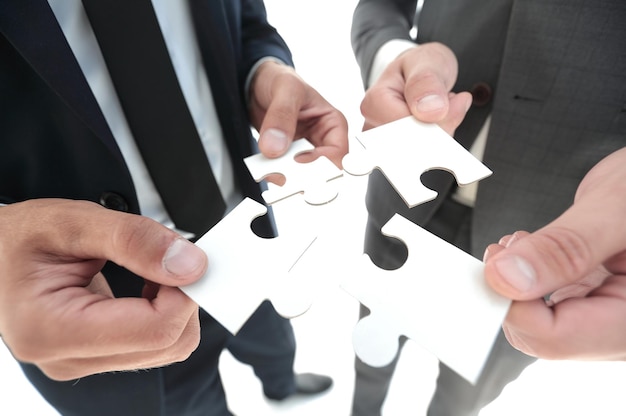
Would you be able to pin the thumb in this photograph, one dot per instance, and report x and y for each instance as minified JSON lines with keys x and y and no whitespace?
{"x":156,"y":253}
{"x":559,"y":254}
{"x":430,"y":71}
{"x":137,"y":243}
{"x":280,"y":121}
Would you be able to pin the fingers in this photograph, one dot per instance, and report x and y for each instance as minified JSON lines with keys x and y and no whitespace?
{"x":418,"y":82}
{"x":279,"y":124}
{"x":287,"y":108}
{"x":578,"y":328}
{"x":55,"y":306}
{"x":459,"y":105}
{"x":160,"y":345}
{"x":430,"y":73}
{"x":560,"y":254}
{"x":105,"y":334}
{"x":384,"y":101}
{"x":567,"y":250}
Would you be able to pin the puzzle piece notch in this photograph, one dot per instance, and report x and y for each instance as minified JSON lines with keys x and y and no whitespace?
{"x":313,"y":179}
{"x":404,"y":149}
{"x":459,"y":327}
{"x":244,"y":269}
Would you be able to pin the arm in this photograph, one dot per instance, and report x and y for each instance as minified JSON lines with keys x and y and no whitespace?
{"x":580,"y":258}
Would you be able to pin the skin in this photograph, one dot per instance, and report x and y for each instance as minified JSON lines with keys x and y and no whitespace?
{"x":56,"y":309}
{"x":283,"y":108}
{"x":418,"y":82}
{"x":579,"y":259}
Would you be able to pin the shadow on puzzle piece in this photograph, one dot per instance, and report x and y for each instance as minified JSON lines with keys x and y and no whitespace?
{"x":310,"y":178}
{"x":406,"y":148}
{"x":244,"y":269}
{"x":438,"y":298}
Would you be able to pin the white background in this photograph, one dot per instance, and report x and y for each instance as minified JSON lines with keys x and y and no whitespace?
{"x":318,"y":34}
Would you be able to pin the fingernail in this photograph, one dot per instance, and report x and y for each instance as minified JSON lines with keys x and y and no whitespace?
{"x":183,"y":258}
{"x":486,"y":254}
{"x":517,"y":272}
{"x":276,"y":141}
{"x":430,"y":103}
{"x":511,"y":240}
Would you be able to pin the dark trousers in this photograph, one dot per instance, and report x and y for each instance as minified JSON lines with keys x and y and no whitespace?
{"x":454,"y":396}
{"x":190,"y":388}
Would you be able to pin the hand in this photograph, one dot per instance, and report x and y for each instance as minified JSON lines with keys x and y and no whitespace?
{"x":418,"y":82}
{"x":56,"y":310}
{"x":580,"y":258}
{"x":284,"y":107}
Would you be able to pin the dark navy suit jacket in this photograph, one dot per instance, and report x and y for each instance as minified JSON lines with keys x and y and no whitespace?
{"x":54,"y":140}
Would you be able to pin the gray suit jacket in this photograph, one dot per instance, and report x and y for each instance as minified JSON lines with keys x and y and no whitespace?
{"x":553,"y":76}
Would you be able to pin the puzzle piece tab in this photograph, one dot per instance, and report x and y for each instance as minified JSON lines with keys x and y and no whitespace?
{"x":406,"y":148}
{"x":310,"y":178}
{"x":438,"y":298}
{"x":244,"y":269}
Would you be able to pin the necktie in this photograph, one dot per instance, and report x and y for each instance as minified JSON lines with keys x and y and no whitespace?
{"x":145,"y":81}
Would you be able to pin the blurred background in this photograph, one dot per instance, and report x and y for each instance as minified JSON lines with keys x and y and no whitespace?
{"x":318,"y":34}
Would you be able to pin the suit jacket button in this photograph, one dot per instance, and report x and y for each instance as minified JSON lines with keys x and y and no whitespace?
{"x":481,"y":94}
{"x":113,"y":201}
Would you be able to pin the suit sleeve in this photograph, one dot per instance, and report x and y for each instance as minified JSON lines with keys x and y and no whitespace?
{"x":374,"y":23}
{"x":259,"y":39}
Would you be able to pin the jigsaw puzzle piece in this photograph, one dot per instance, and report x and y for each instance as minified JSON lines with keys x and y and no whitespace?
{"x":312,"y":178}
{"x":244,"y":269}
{"x":406,"y":148}
{"x":438,"y":298}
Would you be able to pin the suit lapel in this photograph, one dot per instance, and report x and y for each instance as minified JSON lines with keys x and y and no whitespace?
{"x":43,"y":45}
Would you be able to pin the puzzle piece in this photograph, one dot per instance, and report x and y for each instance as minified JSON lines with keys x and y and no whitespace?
{"x":244,"y":269}
{"x":406,"y":148}
{"x":438,"y":298}
{"x":310,"y":178}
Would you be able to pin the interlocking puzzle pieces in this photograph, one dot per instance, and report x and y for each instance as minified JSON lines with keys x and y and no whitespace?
{"x":438,"y":298}
{"x":406,"y":148}
{"x":310,"y":178}
{"x":244,"y":269}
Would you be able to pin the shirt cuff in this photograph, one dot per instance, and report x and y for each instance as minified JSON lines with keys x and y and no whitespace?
{"x":385,"y":55}
{"x":253,"y":70}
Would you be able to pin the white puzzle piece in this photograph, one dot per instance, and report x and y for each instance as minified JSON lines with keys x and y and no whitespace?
{"x":310,"y":178}
{"x":244,"y":269}
{"x":438,"y":298}
{"x":406,"y":148}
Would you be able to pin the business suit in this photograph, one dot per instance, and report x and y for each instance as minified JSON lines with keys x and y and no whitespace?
{"x":56,"y":143}
{"x":552,"y":76}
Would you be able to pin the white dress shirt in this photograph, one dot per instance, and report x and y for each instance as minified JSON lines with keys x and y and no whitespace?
{"x":176,"y":24}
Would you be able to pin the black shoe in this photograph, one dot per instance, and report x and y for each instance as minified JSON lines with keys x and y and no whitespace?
{"x":309,"y":383}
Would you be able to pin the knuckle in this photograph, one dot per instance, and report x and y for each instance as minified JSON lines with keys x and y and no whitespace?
{"x":567,"y":251}
{"x":168,"y":334}
{"x":424,"y":80}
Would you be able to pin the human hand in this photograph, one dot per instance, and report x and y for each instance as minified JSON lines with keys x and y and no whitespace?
{"x":56,"y":310}
{"x":283,"y":107}
{"x":418,"y":82}
{"x":580,"y":259}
